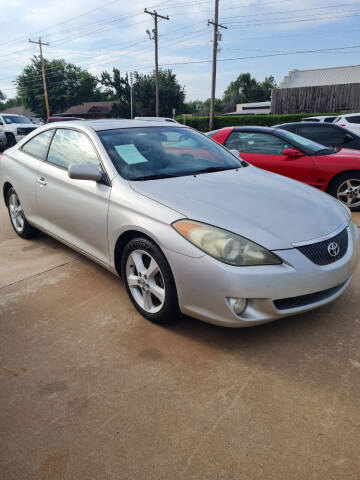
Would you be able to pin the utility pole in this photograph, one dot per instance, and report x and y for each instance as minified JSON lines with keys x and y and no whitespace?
{"x":155,"y":16}
{"x":216,"y":25}
{"x":131,"y":96}
{"x":40,"y":43}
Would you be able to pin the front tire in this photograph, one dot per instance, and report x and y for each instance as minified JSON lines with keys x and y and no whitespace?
{"x":17,"y":216}
{"x":346,"y":188}
{"x":149,"y":281}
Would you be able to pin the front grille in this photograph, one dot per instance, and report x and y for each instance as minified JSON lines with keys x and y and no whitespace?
{"x":318,"y":252}
{"x":303,"y":300}
{"x":25,"y":130}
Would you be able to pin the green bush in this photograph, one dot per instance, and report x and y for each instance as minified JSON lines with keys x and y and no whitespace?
{"x":202,"y":123}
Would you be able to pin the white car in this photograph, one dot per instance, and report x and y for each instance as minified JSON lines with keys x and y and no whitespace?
{"x":320,"y":118}
{"x":351,"y":121}
{"x":15,"y":127}
{"x":157,"y":119}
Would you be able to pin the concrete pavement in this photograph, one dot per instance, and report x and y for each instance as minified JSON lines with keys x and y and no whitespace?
{"x":91,"y":390}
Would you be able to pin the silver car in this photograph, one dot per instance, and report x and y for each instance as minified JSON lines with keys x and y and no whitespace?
{"x":187,"y":225}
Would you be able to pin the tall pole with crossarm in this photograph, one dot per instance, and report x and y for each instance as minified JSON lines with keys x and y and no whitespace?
{"x":155,"y":37}
{"x":216,"y":25}
{"x":40,"y":43}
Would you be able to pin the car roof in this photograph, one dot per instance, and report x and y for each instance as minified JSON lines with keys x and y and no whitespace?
{"x":349,"y":115}
{"x":255,"y":129}
{"x":311,"y":124}
{"x":322,"y":116}
{"x":112,"y":124}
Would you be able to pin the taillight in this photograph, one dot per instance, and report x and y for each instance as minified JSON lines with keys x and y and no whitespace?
{"x":342,"y":124}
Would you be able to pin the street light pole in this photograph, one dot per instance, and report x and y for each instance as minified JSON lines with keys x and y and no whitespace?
{"x":131,"y":95}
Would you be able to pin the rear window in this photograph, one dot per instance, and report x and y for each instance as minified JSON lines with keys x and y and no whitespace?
{"x":354,"y":119}
{"x":329,"y":119}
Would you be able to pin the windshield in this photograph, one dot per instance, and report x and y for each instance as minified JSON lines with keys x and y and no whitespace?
{"x":15,"y":119}
{"x":160,"y":152}
{"x":307,"y":146}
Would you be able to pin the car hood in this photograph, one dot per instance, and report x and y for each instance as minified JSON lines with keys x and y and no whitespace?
{"x":269,"y":209}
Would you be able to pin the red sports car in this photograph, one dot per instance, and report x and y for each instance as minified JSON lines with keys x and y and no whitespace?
{"x":333,"y":170}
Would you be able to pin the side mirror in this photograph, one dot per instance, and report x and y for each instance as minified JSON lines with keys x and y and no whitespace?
{"x":235,"y":152}
{"x":85,"y":171}
{"x":292,"y":153}
{"x":348,"y":138}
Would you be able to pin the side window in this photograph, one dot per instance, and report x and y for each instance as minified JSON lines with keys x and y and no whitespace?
{"x":323,"y":134}
{"x":38,"y":145}
{"x":355,"y":119}
{"x":256,"y":143}
{"x":69,"y":147}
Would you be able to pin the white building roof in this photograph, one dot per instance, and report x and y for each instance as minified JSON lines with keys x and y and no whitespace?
{"x":321,"y":76}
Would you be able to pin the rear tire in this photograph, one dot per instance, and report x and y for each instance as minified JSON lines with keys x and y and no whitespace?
{"x":346,"y":188}
{"x":10,"y":140}
{"x":149,"y":281}
{"x":17,"y":216}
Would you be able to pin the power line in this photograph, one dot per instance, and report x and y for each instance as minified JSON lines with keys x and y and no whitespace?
{"x":298,"y":52}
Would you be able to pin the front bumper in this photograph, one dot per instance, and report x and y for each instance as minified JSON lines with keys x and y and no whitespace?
{"x":205,"y":285}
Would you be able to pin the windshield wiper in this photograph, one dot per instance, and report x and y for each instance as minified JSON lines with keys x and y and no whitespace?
{"x":212,"y":169}
{"x":155,"y":176}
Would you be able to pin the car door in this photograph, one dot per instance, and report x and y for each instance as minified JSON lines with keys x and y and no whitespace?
{"x":265,"y":150}
{"x":25,"y":171}
{"x":73,"y":210}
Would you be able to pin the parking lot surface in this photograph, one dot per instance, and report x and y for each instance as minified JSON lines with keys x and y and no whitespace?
{"x":92,"y":391}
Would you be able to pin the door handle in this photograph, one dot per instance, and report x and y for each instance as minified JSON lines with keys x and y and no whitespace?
{"x":41,"y":181}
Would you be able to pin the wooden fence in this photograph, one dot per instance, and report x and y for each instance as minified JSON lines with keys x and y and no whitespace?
{"x":327,"y":98}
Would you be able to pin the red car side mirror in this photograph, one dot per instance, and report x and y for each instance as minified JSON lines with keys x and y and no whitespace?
{"x":292,"y":153}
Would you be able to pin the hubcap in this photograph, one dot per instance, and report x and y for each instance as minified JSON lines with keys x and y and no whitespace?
{"x":145,"y":281}
{"x":349,"y":192}
{"x":16,"y":212}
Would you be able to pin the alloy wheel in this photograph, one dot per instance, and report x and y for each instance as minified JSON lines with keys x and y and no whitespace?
{"x":145,"y":281}
{"x":16,"y":213}
{"x":348,"y":192}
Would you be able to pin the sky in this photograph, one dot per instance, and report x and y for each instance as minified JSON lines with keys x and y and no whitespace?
{"x":261,"y":37}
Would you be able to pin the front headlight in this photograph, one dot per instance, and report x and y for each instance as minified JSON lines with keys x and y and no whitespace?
{"x":225,"y":246}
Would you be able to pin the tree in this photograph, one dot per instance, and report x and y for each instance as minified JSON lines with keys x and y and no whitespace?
{"x":199,"y":107}
{"x":247,"y":89}
{"x":67,"y":85}
{"x":117,"y":88}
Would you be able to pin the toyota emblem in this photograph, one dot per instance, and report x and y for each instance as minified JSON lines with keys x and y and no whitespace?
{"x":333,"y":249}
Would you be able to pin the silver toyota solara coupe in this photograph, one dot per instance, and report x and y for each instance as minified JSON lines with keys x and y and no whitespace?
{"x":187,"y":225}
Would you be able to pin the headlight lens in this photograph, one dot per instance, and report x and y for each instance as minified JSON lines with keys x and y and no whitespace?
{"x":225,"y":246}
